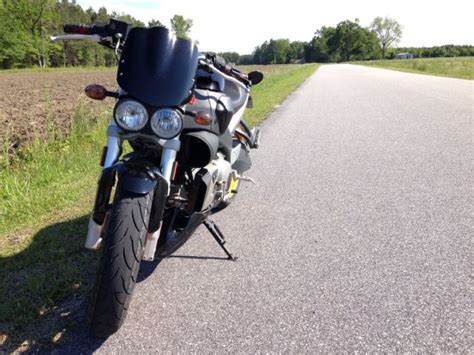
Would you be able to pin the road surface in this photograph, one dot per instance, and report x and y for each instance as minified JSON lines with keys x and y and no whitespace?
{"x":358,"y":236}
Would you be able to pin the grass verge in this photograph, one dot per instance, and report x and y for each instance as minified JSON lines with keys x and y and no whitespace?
{"x":47,"y":192}
{"x":460,"y":67}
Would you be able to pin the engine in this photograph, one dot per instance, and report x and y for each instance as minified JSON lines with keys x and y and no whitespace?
{"x":213,"y":183}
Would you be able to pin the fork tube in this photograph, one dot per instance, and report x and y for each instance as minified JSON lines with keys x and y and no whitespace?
{"x":167,"y":161}
{"x":168,"y":157}
{"x":114,"y":145}
{"x":114,"y":148}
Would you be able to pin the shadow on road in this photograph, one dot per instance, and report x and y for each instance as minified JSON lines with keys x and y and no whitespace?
{"x":146,"y":269}
{"x":45,"y":287}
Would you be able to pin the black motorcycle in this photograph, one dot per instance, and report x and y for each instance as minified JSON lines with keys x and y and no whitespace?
{"x":182,"y":113}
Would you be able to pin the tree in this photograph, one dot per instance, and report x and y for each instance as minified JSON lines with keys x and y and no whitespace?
{"x":33,"y":17}
{"x":275,"y":51}
{"x":230,"y":57}
{"x":347,"y":41}
{"x":155,"y":23}
{"x":388,"y":32}
{"x":14,"y":46}
{"x":317,"y":50}
{"x":296,"y":51}
{"x":181,"y":26}
{"x":25,"y":27}
{"x":127,"y":18}
{"x":279,"y":49}
{"x":247,"y":59}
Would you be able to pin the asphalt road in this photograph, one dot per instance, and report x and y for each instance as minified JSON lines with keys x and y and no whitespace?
{"x":358,"y":236}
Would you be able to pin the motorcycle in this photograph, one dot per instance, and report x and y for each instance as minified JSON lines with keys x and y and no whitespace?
{"x":181,"y":112}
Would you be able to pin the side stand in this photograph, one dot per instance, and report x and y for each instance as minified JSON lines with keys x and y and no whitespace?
{"x":219,"y":237}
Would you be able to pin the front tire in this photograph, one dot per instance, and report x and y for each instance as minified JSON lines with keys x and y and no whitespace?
{"x":120,"y":262}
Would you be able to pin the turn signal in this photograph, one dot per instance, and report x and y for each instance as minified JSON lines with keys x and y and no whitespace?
{"x":96,"y":92}
{"x":202,"y":119}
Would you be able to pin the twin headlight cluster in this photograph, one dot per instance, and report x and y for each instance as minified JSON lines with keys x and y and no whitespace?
{"x":133,"y":116}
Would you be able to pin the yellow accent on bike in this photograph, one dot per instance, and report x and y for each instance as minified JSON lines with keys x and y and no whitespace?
{"x":233,"y":184}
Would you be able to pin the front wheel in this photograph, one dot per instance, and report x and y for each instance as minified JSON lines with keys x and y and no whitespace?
{"x":120,"y":262}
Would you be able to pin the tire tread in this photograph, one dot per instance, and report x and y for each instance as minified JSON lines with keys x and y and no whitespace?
{"x":122,"y":254}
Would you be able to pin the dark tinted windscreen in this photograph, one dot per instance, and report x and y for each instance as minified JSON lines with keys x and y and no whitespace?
{"x":156,"y":67}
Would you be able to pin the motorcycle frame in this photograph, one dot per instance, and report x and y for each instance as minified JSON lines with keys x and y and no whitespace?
{"x":171,"y":148}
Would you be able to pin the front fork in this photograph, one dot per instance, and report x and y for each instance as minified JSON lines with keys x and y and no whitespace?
{"x":114,"y":149}
{"x":168,"y":157}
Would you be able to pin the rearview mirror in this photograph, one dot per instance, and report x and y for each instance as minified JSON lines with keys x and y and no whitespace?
{"x":255,"y":77}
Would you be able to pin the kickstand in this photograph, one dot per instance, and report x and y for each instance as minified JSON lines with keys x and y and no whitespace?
{"x":219,"y":237}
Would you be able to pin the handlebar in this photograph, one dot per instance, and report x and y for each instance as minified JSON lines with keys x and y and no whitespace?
{"x":208,"y":65}
{"x":113,"y":28}
{"x":221,"y":65}
{"x":109,"y":35}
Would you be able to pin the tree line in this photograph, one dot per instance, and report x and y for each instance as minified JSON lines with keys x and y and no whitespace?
{"x":26,"y":25}
{"x":347,"y":41}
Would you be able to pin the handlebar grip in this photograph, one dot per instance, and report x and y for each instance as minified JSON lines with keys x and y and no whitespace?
{"x":77,"y":29}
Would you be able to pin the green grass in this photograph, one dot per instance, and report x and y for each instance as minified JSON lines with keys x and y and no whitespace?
{"x":46,"y":195}
{"x":49,"y":176}
{"x":460,"y":67}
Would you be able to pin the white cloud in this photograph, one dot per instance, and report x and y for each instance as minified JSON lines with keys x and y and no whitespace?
{"x":241,"y":25}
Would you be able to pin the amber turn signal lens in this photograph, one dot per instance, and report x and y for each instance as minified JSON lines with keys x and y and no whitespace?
{"x":96,"y":92}
{"x":202,"y":119}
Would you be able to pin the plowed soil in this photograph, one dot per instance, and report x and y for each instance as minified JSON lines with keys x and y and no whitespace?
{"x":43,"y":105}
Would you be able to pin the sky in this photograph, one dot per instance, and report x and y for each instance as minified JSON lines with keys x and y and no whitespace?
{"x":241,"y":25}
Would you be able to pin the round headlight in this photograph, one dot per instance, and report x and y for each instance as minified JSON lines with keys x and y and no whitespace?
{"x":166,"y":123}
{"x":131,"y":115}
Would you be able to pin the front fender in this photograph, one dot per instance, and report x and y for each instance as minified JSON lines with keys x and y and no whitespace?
{"x":141,"y":179}
{"x":137,"y":177}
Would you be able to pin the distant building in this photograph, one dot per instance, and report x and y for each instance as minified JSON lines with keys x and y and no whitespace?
{"x":405,"y":56}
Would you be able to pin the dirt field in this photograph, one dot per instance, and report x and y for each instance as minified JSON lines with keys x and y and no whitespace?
{"x":35,"y":104}
{"x":43,"y":104}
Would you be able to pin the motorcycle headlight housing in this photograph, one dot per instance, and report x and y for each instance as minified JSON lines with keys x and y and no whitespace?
{"x":130,"y":115}
{"x":166,"y":123}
